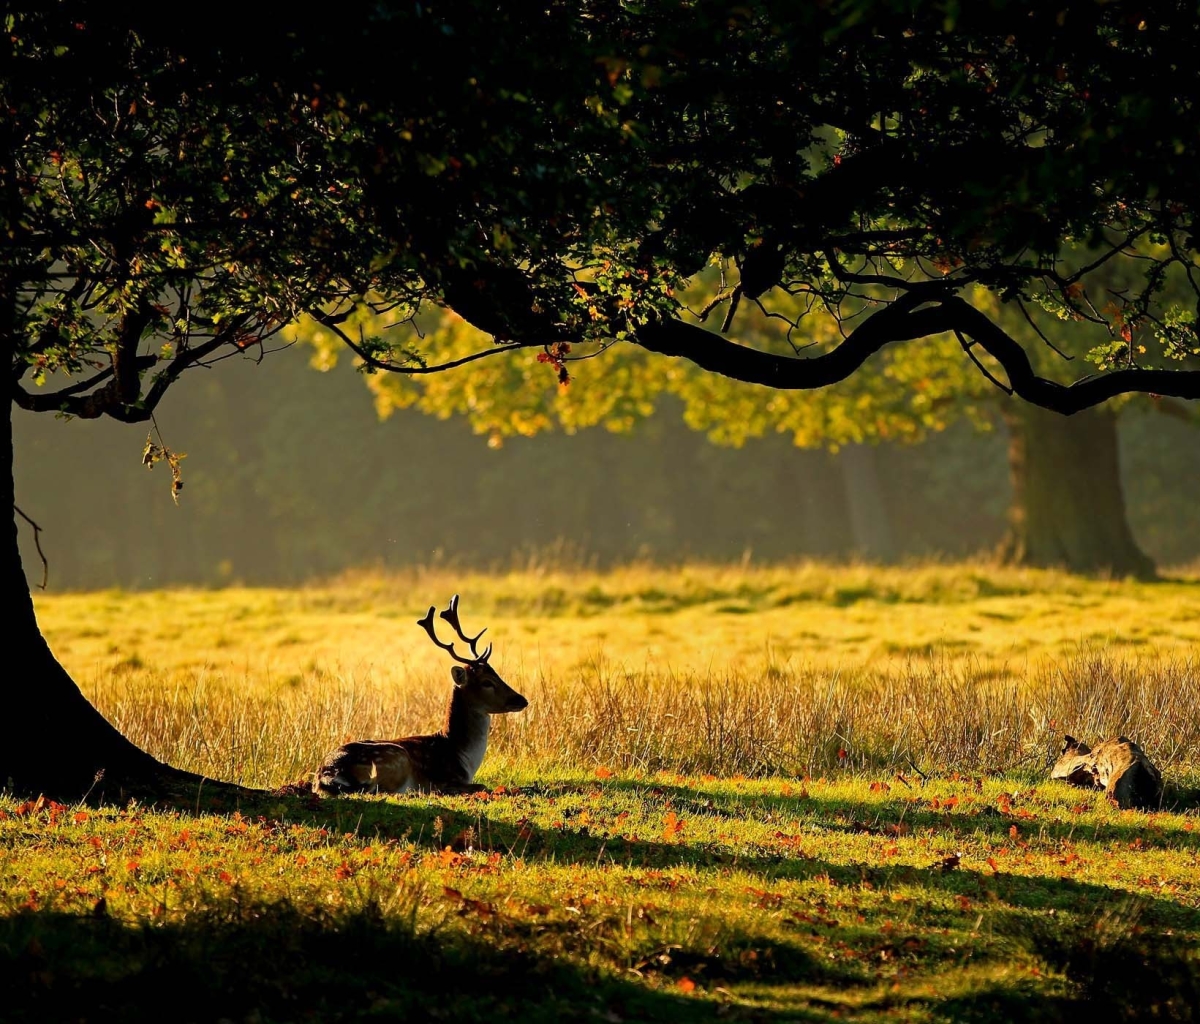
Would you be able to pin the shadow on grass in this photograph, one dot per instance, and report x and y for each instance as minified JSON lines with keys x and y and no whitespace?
{"x":272,"y":962}
{"x":435,"y":825}
{"x":841,"y":814}
{"x":1124,"y":974}
{"x":243,"y":960}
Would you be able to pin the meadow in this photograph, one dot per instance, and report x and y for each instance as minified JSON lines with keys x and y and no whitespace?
{"x":795,"y":792}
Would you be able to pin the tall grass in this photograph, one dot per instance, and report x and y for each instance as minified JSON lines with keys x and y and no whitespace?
{"x":698,"y":668}
{"x":938,"y":714}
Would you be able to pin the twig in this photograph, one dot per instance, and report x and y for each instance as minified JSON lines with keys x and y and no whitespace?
{"x":913,"y":765}
{"x":1038,"y":330}
{"x":982,"y":369}
{"x":721,"y":296}
{"x":37,"y":541}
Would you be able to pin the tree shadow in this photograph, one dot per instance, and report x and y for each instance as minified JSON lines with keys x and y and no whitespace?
{"x":276,"y":962}
{"x":849,"y":815}
{"x":273,"y":961}
{"x":436,"y":825}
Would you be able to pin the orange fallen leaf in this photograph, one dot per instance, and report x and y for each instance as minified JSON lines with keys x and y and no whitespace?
{"x":672,"y":825}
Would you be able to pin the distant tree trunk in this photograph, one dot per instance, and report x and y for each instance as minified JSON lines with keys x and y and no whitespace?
{"x":822,"y":506}
{"x":870,"y":524}
{"x":52,"y":741}
{"x":1068,"y":508}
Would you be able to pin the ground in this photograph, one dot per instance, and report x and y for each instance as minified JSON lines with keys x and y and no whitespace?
{"x":798,"y":793}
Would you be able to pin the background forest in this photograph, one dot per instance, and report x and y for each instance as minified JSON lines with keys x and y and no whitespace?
{"x":303,"y":479}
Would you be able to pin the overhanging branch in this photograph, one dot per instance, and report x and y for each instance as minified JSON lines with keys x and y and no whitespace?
{"x":907,"y":319}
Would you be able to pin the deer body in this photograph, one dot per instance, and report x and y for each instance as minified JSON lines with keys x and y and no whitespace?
{"x":443,"y":762}
{"x":1117,"y":766}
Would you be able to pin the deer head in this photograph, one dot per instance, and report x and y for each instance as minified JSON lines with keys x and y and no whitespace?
{"x":473,"y":676}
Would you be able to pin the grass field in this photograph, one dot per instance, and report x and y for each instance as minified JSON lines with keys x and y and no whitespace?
{"x":792,"y":793}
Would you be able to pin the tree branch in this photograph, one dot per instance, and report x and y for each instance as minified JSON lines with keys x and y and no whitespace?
{"x":390,"y":367}
{"x":37,"y":541}
{"x":902,"y":322}
{"x":57,"y":400}
{"x":144,"y":410}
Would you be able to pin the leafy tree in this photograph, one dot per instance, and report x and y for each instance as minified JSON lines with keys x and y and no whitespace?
{"x":1067,"y":509}
{"x":170,"y":198}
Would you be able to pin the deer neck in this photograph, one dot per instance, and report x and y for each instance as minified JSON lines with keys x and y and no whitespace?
{"x":467,"y":729}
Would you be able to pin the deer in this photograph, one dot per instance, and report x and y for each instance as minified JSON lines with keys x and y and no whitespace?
{"x":1117,"y":766}
{"x":446,"y":761}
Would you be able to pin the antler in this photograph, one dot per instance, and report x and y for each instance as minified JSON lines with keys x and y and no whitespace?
{"x":451,"y":616}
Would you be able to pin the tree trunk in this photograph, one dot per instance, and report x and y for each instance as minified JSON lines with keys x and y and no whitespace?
{"x":820,"y":501}
{"x":1068,"y":509}
{"x":52,"y":741}
{"x":870,"y":524}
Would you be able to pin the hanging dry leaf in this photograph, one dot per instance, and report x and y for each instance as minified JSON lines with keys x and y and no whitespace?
{"x":153,"y":452}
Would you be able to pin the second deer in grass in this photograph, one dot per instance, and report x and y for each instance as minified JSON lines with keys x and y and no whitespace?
{"x":446,"y":761}
{"x":1117,"y":766}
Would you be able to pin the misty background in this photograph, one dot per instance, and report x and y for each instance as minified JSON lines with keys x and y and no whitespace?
{"x":291,"y":475}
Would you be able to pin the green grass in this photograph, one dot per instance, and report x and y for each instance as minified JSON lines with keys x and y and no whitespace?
{"x":671,"y":834}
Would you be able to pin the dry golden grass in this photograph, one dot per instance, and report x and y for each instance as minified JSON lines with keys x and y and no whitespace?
{"x":698,"y":668}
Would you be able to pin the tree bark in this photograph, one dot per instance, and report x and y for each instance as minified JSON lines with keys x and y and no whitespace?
{"x":1068,"y":508}
{"x":53,"y":742}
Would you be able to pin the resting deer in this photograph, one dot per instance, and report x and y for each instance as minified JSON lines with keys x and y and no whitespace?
{"x":1117,"y":766}
{"x":445,"y":762}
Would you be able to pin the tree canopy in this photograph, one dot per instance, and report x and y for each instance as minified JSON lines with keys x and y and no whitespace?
{"x":864,"y":174}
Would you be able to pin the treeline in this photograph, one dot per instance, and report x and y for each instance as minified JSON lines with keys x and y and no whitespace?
{"x":290,"y":474}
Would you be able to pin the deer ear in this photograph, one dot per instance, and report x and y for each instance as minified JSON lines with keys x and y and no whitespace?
{"x":459,"y":675}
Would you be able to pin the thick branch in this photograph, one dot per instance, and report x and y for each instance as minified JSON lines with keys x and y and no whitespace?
{"x":901,"y":322}
{"x":143,"y":410}
{"x":126,"y":374}
{"x":58,"y":400}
